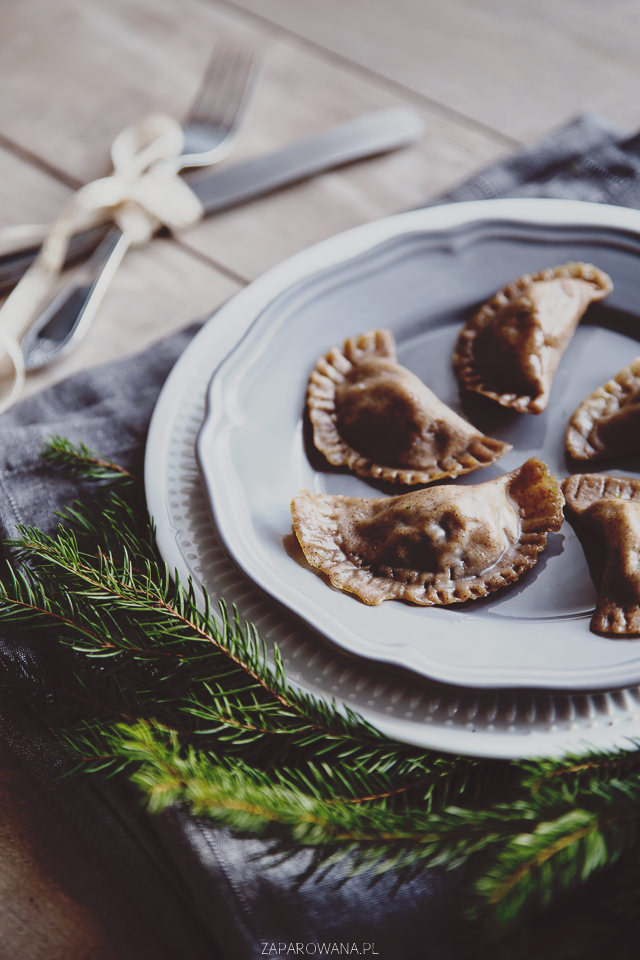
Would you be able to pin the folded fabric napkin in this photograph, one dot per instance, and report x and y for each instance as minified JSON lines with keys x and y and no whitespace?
{"x":176,"y":886}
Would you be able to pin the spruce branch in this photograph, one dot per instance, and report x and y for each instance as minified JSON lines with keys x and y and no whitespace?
{"x":245,"y":798}
{"x":534,"y":867}
{"x":179,"y":694}
{"x":566,"y":779}
{"x":234,"y":694}
{"x":81,"y":461}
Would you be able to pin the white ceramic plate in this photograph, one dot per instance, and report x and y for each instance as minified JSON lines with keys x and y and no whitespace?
{"x":421,"y":278}
{"x":403,"y":705}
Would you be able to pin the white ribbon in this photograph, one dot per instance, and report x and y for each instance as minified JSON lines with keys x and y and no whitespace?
{"x":143,"y":193}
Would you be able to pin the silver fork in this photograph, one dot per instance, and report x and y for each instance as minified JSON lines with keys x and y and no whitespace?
{"x":208,"y":137}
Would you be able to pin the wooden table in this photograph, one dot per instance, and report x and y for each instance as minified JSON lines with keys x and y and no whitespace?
{"x":485,"y":78}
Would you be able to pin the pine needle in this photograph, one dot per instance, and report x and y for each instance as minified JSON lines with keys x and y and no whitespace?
{"x":159,"y":683}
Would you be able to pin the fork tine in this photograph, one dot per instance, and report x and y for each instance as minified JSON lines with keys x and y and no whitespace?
{"x":224,"y":108}
{"x":244,"y":76}
{"x":214,"y":74}
{"x":223,"y":89}
{"x":224,"y":93}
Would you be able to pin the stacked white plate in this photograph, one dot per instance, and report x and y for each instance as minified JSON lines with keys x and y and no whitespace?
{"x":516,"y":675}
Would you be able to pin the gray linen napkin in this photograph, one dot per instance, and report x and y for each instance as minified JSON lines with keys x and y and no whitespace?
{"x":182,"y":887}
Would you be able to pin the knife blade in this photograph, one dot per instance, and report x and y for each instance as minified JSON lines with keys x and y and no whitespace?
{"x":367,"y":136}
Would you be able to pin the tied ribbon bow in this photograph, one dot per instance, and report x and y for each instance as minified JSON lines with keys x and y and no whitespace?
{"x":143,"y":192}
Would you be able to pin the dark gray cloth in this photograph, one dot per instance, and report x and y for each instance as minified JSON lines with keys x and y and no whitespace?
{"x":197,"y":890}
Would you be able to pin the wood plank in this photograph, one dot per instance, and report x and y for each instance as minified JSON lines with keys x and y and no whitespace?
{"x":108,"y":65}
{"x":57,"y":902}
{"x":27,"y":195}
{"x":519,"y":68}
{"x":160,"y":56}
{"x":112,"y":63}
{"x":38,"y":917}
{"x":254,"y":237}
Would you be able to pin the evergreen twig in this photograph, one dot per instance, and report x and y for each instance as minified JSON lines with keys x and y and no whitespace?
{"x":184,"y":698}
{"x":80,"y":460}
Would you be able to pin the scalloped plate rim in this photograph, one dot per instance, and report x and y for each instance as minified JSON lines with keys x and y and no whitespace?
{"x":349,"y":245}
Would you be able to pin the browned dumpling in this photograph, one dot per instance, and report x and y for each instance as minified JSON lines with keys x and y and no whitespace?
{"x":606,"y":514}
{"x":440,"y":545}
{"x":607,"y":423}
{"x":378,"y":419}
{"x":511,"y":348}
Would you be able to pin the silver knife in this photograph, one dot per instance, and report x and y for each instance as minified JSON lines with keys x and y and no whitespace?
{"x":385,"y":130}
{"x":367,"y":136}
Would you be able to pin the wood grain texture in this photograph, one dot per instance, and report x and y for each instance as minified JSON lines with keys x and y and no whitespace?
{"x":160,"y":57}
{"x":38,"y":918}
{"x":57,"y":902}
{"x":518,"y":66}
{"x":260,"y":234}
{"x":113,"y":62}
{"x":27,"y":194}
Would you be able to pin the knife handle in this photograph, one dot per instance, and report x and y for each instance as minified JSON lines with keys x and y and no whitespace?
{"x":17,"y":262}
{"x":66,"y":320}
